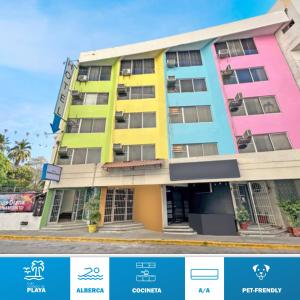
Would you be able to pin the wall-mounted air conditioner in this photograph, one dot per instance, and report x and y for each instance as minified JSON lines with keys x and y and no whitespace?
{"x":76,"y":94}
{"x":126,"y":72}
{"x":245,"y":139}
{"x":118,"y":149}
{"x":223,"y":53}
{"x":227,"y":72}
{"x":63,"y":153}
{"x":122,"y":90}
{"x":171,"y":81}
{"x":171,"y":63}
{"x":82,"y":78}
{"x":236,"y":103}
{"x":120,"y":117}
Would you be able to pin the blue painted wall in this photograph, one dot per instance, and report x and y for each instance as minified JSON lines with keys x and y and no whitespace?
{"x":218,"y":131}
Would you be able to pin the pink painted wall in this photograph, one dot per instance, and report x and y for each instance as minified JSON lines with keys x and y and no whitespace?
{"x":281,"y":84}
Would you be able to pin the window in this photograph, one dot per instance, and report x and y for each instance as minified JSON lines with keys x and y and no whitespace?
{"x":245,"y":75}
{"x":136,"y":152}
{"x":194,"y":150}
{"x":81,"y":156}
{"x":257,"y":105}
{"x":185,"y":58}
{"x":267,"y":142}
{"x":188,"y":85}
{"x":138,"y":120}
{"x":138,"y":92}
{"x":138,"y":66}
{"x":96,"y":73}
{"x":190,"y":114}
{"x":237,"y":47}
{"x":85,"y":125}
{"x":91,"y":99}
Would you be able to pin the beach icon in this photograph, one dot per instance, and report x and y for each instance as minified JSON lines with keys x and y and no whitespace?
{"x":34,"y":272}
{"x":90,"y":274}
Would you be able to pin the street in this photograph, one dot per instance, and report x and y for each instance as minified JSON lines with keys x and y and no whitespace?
{"x":47,"y":247}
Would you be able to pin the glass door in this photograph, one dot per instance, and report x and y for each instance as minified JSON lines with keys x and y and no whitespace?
{"x":78,"y":205}
{"x":56,"y":206}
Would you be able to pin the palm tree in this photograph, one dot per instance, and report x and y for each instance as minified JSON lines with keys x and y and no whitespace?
{"x":37,"y":266}
{"x":3,"y":142}
{"x":20,"y":152}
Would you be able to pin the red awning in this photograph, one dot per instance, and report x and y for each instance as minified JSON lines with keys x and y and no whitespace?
{"x":132,"y":164}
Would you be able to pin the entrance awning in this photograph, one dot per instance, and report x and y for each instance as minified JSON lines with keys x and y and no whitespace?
{"x":132,"y":164}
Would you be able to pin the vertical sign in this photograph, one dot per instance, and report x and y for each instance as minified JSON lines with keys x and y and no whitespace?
{"x":62,"y":95}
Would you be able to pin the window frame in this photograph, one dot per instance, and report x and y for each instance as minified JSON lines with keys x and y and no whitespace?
{"x":242,"y":47}
{"x":142,"y":123}
{"x":127,"y":152}
{"x":178,"y":83}
{"x":80,"y":123}
{"x":190,"y":60}
{"x":188,"y":149}
{"x":143,"y":66}
{"x":249,"y":69}
{"x":182,"y":108}
{"x":85,"y":159}
{"x":142,"y":98}
{"x":100,"y":71}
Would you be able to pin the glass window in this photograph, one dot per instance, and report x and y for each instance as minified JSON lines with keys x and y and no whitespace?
{"x":249,"y":46}
{"x":98,"y":125}
{"x":148,"y":152}
{"x":136,"y":92}
{"x":210,"y":149}
{"x":243,"y":75}
{"x":102,"y":98}
{"x":79,"y":156}
{"x":171,"y":55}
{"x":231,"y":79}
{"x":280,"y":141}
{"x":176,"y":115}
{"x":83,"y":71}
{"x":186,"y":85}
{"x":199,"y":85}
{"x":253,"y":106}
{"x":263,"y":143}
{"x":91,"y":99}
{"x":148,"y":92}
{"x":220,"y":46}
{"x":195,"y":150}
{"x":105,"y":73}
{"x":204,"y":113}
{"x":235,"y":48}
{"x":93,"y":156}
{"x":269,"y":104}
{"x":65,"y":161}
{"x":135,"y":120}
{"x":72,"y":125}
{"x":125,"y":64}
{"x":149,"y":119}
{"x":258,"y":74}
{"x":184,"y":58}
{"x":94,"y":74}
{"x":190,"y":114}
{"x":135,"y":152}
{"x":195,"y":58}
{"x":138,"y":66}
{"x":86,"y":125}
{"x":179,"y":151}
{"x":148,"y":66}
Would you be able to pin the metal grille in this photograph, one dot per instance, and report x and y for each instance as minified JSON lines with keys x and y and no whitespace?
{"x":78,"y":205}
{"x":56,"y":206}
{"x":119,"y":205}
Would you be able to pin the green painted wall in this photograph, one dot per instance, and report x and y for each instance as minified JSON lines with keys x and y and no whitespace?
{"x":47,"y":208}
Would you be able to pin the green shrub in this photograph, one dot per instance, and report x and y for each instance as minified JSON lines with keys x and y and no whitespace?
{"x":92,"y":210}
{"x":292,"y":210}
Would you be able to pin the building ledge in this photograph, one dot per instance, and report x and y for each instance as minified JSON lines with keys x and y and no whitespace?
{"x":132,"y":164}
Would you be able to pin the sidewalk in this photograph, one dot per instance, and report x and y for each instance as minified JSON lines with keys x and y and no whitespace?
{"x":150,"y":237}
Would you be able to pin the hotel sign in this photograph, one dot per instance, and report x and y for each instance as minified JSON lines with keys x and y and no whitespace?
{"x":51,"y":172}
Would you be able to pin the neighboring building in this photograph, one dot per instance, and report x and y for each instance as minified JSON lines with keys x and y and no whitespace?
{"x":182,"y":130}
{"x":289,"y":36}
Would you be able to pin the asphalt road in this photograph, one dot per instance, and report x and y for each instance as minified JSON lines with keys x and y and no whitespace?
{"x":45,"y":247}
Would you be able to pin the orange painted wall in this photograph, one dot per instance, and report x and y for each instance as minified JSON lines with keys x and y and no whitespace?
{"x":147,"y":206}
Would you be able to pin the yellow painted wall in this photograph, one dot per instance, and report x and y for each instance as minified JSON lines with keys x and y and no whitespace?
{"x":147,"y":206}
{"x":158,"y":135}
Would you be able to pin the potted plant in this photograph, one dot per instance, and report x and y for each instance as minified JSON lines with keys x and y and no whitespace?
{"x":92,"y":214}
{"x":291,"y":209}
{"x":243,"y":217}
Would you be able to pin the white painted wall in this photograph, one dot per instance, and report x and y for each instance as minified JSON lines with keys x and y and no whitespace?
{"x":11,"y":221}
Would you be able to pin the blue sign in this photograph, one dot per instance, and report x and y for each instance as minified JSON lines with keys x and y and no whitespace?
{"x":147,"y":278}
{"x":262,"y":278}
{"x":30,"y":278}
{"x":51,"y":172}
{"x":55,"y":124}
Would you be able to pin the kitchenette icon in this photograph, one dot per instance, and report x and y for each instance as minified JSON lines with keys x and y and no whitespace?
{"x":144,"y":274}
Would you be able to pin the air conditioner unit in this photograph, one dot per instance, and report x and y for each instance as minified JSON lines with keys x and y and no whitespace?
{"x":76,"y":94}
{"x":82,"y":78}
{"x":177,"y":149}
{"x":244,"y":140}
{"x":118,"y":149}
{"x":236,"y":103}
{"x":228,"y":71}
{"x":63,"y":153}
{"x":223,"y":53}
{"x":171,"y":63}
{"x":120,"y":117}
{"x":122,"y":90}
{"x":126,"y":72}
{"x":171,"y":81}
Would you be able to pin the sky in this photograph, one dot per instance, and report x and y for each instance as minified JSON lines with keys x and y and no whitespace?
{"x":37,"y":35}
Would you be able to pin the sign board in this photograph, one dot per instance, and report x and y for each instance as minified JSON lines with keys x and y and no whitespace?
{"x":22,"y":202}
{"x":62,"y":95}
{"x":51,"y":172}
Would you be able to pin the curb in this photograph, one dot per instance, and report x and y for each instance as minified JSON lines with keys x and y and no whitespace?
{"x":153,"y":242}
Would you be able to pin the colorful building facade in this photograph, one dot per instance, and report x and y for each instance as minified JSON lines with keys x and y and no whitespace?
{"x":178,"y":134}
